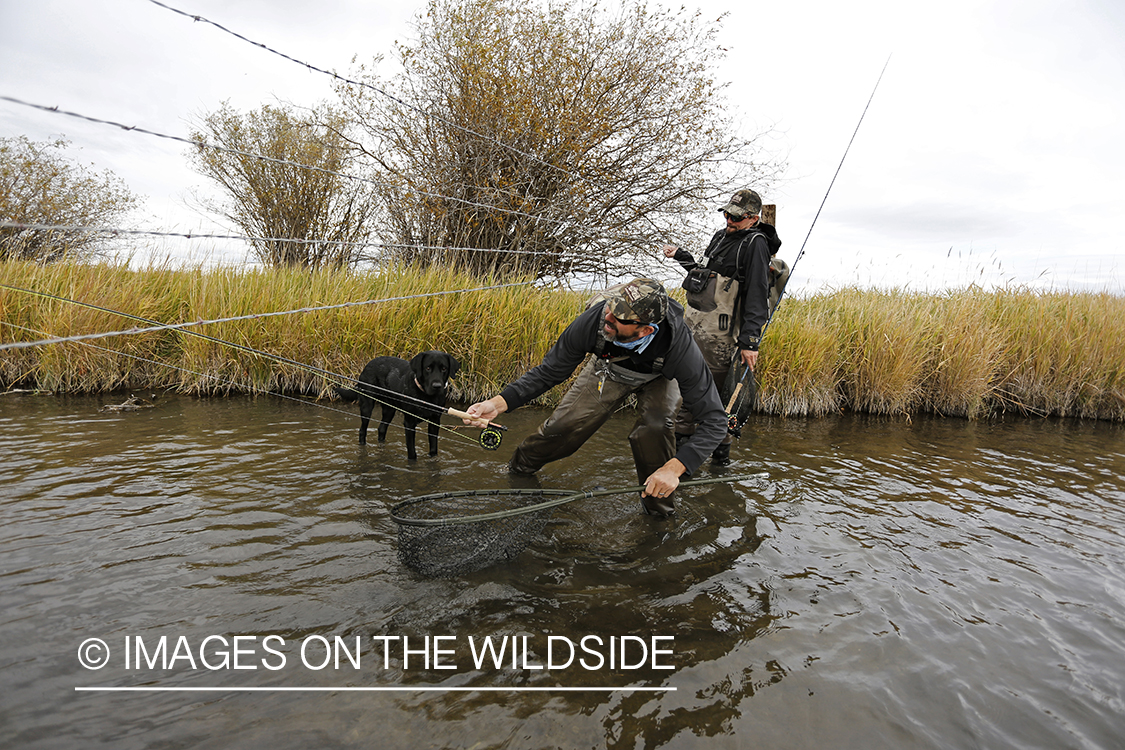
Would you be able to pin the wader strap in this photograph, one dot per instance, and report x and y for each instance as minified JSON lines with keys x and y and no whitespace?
{"x":599,"y":353}
{"x":608,"y":368}
{"x":738,"y":253}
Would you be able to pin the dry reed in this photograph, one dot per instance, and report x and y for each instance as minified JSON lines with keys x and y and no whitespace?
{"x":967,"y":353}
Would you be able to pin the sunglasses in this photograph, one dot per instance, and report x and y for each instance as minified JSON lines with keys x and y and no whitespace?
{"x":626,"y":321}
{"x":732,"y":217}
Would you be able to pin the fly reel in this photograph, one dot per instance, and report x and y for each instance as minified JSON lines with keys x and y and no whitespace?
{"x":740,"y":394}
{"x":490,"y":437}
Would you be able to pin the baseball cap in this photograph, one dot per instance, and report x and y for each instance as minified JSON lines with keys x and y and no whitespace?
{"x":640,"y":299}
{"x":744,"y":203}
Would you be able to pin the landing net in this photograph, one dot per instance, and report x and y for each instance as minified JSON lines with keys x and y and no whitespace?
{"x":452,"y":533}
{"x":739,"y":394}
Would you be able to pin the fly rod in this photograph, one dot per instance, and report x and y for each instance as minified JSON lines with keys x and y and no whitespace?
{"x":737,"y":418}
{"x":823,"y":200}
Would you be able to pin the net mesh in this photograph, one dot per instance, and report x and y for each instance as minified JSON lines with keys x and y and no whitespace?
{"x":453,"y":533}
{"x":746,"y":399}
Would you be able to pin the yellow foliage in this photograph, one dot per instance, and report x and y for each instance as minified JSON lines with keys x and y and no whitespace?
{"x":967,"y":353}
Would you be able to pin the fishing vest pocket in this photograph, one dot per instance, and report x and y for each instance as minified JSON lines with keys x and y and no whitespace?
{"x":716,"y":328}
{"x":700,"y":285}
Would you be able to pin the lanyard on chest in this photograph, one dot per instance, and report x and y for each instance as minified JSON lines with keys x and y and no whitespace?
{"x":606,"y":367}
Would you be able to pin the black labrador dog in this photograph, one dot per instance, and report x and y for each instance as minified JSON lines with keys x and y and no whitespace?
{"x":417,"y":388}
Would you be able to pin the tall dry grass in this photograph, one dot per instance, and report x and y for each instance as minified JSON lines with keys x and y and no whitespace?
{"x":968,"y":353}
{"x":496,"y":334}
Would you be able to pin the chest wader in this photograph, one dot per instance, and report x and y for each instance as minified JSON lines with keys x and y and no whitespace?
{"x":600,"y":390}
{"x":712,"y":316}
{"x":658,"y":400}
{"x":607,"y":368}
{"x":714,"y":320}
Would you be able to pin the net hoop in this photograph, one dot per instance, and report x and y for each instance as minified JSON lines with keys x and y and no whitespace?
{"x":436,"y":543}
{"x":400,"y":512}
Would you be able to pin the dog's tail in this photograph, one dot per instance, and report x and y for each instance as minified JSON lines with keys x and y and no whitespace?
{"x":347,"y":394}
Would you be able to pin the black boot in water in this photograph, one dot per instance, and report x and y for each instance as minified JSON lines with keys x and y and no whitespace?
{"x":721,"y":455}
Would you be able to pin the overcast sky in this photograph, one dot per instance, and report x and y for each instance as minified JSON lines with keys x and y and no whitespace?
{"x":991,"y":151}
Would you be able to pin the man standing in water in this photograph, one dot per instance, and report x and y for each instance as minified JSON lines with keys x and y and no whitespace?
{"x":728,"y":297}
{"x":642,"y":346}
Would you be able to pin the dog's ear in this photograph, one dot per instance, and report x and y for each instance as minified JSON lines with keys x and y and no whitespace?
{"x":454,"y":365}
{"x":417,"y":364}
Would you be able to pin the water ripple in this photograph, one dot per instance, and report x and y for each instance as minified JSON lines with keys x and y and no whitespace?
{"x":925,"y":583}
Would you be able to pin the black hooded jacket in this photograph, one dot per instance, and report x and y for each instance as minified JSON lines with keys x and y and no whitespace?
{"x":683,"y":363}
{"x":743,"y":255}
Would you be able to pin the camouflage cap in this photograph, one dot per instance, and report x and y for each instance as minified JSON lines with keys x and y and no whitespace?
{"x":640,"y":299}
{"x":744,"y":203}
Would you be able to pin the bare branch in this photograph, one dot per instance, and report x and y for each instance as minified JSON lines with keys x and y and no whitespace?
{"x":300,"y":192}
{"x":554,"y":140}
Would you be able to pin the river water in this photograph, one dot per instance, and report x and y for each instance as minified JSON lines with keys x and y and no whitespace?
{"x":892,"y":583}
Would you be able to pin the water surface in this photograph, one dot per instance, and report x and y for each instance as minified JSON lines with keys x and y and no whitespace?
{"x":894,"y":583}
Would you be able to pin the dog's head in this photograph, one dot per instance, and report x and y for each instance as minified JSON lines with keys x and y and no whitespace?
{"x":433,"y":370}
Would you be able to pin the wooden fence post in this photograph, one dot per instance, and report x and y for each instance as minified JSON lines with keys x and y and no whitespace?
{"x":769,"y":214}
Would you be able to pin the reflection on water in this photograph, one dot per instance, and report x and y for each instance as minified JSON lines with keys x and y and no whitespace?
{"x":926,"y":583}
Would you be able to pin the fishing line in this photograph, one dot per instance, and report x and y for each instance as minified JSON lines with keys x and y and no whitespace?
{"x":490,"y":438}
{"x":158,"y":326}
{"x":177,"y":368}
{"x":225,"y":381}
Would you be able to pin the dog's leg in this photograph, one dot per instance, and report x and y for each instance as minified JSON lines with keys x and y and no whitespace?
{"x":366,"y":405}
{"x":385,"y":423}
{"x":434,"y":426}
{"x":410,"y":422}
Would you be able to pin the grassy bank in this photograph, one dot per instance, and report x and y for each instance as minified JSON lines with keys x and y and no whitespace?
{"x":967,"y":353}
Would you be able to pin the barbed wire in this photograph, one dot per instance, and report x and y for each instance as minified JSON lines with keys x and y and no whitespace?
{"x":249,"y":238}
{"x":392,"y":97}
{"x":453,"y":429}
{"x":195,"y":143}
{"x":237,"y":152}
{"x":252,"y":316}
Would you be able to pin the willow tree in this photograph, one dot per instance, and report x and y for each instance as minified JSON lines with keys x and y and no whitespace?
{"x":548,"y":140}
{"x":284,"y":176}
{"x":40,"y":187}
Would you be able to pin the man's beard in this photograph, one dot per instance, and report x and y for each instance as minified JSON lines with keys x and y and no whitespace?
{"x":615,"y":338}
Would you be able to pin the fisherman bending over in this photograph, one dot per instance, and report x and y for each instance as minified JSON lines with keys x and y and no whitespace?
{"x":642,"y":346}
